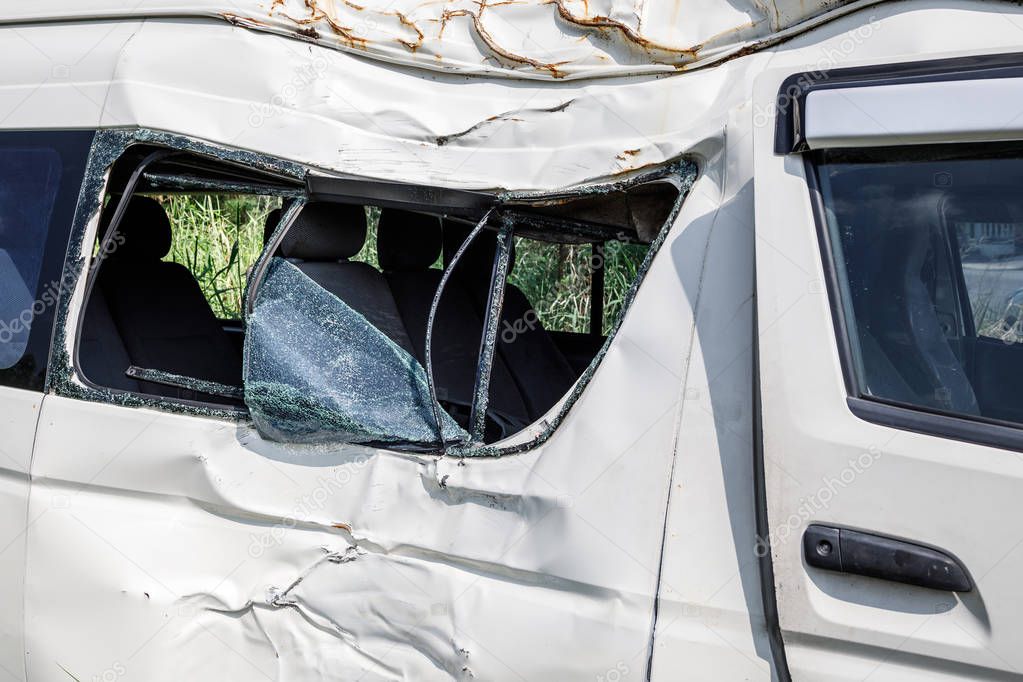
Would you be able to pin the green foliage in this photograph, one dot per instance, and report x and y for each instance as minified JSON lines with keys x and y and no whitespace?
{"x":368,"y":254}
{"x":621,"y":265}
{"x":218,"y":237}
{"x":556,"y":279}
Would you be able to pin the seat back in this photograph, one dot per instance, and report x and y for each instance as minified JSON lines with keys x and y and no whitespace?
{"x":540,"y":371}
{"x":321,"y":243}
{"x":899,"y":309}
{"x":157,"y":309}
{"x":407,"y":245}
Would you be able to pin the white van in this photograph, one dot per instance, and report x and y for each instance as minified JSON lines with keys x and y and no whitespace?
{"x":533,"y":340}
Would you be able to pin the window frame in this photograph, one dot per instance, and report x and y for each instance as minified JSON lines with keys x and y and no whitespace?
{"x":479,"y":205}
{"x":111,"y":145}
{"x":132,"y":186}
{"x":883,"y":412}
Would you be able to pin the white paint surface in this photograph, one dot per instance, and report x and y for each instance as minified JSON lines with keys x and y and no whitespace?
{"x":170,"y":547}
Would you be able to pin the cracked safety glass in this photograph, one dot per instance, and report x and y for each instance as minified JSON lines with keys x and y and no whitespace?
{"x":318,"y":371}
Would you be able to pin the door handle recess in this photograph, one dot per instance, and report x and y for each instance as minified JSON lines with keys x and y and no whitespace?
{"x":878,"y":556}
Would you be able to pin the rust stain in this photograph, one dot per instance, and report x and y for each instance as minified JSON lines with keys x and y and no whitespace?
{"x":493,"y":46}
{"x":411,"y":45}
{"x":342,"y":526}
{"x":600,"y":22}
{"x":325,"y":13}
{"x":245,"y":22}
{"x":632,"y":169}
{"x":345,"y":33}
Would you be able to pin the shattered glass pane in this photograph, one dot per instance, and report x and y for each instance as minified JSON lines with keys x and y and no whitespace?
{"x":318,"y":371}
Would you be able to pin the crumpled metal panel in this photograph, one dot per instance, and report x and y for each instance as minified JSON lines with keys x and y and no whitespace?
{"x":539,"y":39}
{"x":341,"y":114}
{"x":214,"y":554}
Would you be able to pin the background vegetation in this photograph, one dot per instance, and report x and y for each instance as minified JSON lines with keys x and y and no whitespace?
{"x":218,"y":237}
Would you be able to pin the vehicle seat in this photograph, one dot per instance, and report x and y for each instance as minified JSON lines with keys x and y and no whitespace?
{"x":900,"y":314}
{"x":321,"y":242}
{"x":407,"y":245}
{"x":157,"y":309}
{"x":101,"y":351}
{"x":273,"y":218}
{"x":540,"y":370}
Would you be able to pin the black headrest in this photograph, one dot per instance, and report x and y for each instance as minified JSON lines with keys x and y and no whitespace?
{"x":273,"y":219}
{"x":407,"y":241}
{"x":477,"y":262}
{"x":326,"y":231}
{"x":144,"y":233}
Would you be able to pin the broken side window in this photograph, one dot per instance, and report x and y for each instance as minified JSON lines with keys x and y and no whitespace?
{"x":577,"y":290}
{"x":218,"y":238}
{"x":317,"y":370}
{"x":166,"y":285}
{"x":435,"y":313}
{"x":375,"y":313}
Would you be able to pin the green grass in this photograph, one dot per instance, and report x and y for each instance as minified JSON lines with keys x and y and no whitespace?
{"x":219,"y":237}
{"x":556,"y":279}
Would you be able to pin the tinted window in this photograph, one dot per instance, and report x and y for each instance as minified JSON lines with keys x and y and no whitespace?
{"x":40,"y":177}
{"x":928,"y":250}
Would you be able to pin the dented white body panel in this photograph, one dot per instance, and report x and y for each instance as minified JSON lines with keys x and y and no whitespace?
{"x":164,"y":546}
{"x":524,"y":39}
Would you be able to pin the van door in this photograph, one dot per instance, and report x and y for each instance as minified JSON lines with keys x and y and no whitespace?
{"x":40,"y":176}
{"x":890,"y":363}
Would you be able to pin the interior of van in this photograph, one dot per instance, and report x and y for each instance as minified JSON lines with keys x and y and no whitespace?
{"x":164,"y":320}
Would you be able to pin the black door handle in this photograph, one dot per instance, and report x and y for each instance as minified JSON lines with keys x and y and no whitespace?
{"x":878,"y":556}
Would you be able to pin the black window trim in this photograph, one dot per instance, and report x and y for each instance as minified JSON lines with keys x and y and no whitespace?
{"x":913,"y":418}
{"x":790,"y":122}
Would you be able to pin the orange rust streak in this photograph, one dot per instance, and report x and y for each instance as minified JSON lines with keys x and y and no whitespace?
{"x":485,"y":36}
{"x":608,"y":22}
{"x":238,"y":20}
{"x":316,"y":13}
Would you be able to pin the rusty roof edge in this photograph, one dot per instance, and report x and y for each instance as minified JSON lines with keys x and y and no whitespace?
{"x":533,"y":72}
